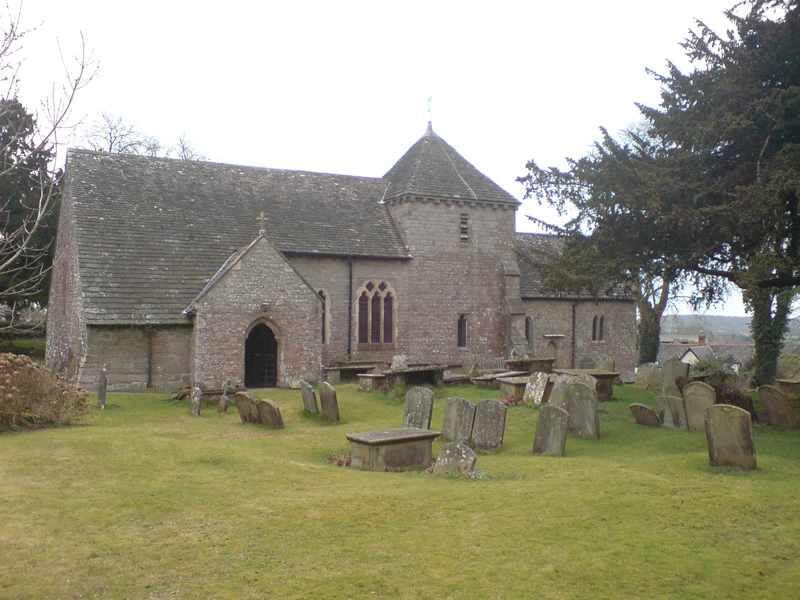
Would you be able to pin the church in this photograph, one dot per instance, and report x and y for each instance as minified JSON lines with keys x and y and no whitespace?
{"x":183,"y":271}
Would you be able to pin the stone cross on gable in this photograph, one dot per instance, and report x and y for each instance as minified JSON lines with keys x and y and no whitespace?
{"x":262,"y":220}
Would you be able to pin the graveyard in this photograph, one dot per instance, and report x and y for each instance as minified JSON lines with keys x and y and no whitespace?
{"x":146,"y":500}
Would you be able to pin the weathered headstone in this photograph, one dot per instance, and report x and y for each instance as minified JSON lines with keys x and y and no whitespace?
{"x":645,"y":415}
{"x":328,"y":401}
{"x":606,"y":363}
{"x":399,"y":362}
{"x":558,"y":393}
{"x":649,"y":377}
{"x":584,"y":415}
{"x":196,"y":402}
{"x":673,"y":369}
{"x":489,"y":427}
{"x":309,"y":397}
{"x":586,"y":362}
{"x":697,"y":397}
{"x":164,"y":383}
{"x":776,"y":403}
{"x":459,"y":415}
{"x":729,"y":432}
{"x":585,"y":379}
{"x":102,"y":389}
{"x":672,"y":411}
{"x":536,"y":388}
{"x":551,"y":431}
{"x":455,"y":457}
{"x":419,"y":408}
{"x":245,"y":404}
{"x":269,"y":413}
{"x":222,"y":407}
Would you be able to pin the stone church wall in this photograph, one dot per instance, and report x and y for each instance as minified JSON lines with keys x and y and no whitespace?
{"x":450,"y":277}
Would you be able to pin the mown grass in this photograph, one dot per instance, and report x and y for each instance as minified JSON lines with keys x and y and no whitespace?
{"x":146,"y":501}
{"x":33,"y":348}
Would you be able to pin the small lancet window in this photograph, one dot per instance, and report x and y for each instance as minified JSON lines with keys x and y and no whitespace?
{"x":462,"y":331}
{"x":324,"y":300}
{"x":529,"y":331}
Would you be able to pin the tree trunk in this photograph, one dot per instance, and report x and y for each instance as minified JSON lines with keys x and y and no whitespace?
{"x":649,"y":333}
{"x":768,"y":325}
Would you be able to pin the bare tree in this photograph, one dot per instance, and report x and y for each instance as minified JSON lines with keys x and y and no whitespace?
{"x":110,"y":133}
{"x":185,"y":150}
{"x":28,"y":170}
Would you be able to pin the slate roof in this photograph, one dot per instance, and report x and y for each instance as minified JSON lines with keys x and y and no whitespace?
{"x":151,"y":232}
{"x":539,"y":247}
{"x":432,"y":168}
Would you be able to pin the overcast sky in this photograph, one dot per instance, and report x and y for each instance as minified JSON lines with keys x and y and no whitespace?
{"x":343,"y":87}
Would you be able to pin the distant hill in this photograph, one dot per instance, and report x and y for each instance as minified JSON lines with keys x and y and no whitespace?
{"x":718,"y":329}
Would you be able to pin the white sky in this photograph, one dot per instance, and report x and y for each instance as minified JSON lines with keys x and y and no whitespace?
{"x":343,"y":86}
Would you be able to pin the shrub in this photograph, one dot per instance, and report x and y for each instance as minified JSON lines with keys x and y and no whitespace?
{"x":715,"y":373}
{"x":32,"y":396}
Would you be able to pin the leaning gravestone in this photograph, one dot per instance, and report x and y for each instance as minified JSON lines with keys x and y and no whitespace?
{"x":328,"y":401}
{"x":673,"y":369}
{"x":102,"y":388}
{"x":671,"y":411}
{"x":309,"y":397}
{"x":551,"y":431}
{"x":195,"y":404}
{"x":649,"y":377}
{"x":455,"y":457}
{"x":645,"y":415}
{"x":584,"y":415}
{"x":558,"y":393}
{"x":459,"y":416}
{"x":245,"y":404}
{"x":729,"y":432}
{"x":697,"y":397}
{"x":776,"y":403}
{"x":269,"y":413}
{"x":419,"y":408}
{"x":536,"y":388}
{"x":489,"y":427}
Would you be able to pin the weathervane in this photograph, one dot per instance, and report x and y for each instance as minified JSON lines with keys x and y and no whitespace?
{"x":263,"y":224}
{"x":430,"y":100}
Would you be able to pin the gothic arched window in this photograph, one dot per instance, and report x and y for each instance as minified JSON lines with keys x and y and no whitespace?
{"x":376,"y":313}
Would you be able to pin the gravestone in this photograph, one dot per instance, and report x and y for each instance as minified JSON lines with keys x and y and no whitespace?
{"x":245,"y":404}
{"x":558,"y":393}
{"x":489,"y":427}
{"x":606,"y":363}
{"x":223,"y":403}
{"x":195,"y":404}
{"x":776,"y":403}
{"x":419,"y":408}
{"x":649,"y":377}
{"x":584,"y":415}
{"x":536,"y":388}
{"x":586,"y":380}
{"x":455,"y":457}
{"x":697,"y":397}
{"x":102,"y":389}
{"x":269,"y":413}
{"x":729,"y":432}
{"x":672,"y":411}
{"x":459,"y":416}
{"x":399,"y":362}
{"x":164,"y":382}
{"x":672,"y":370}
{"x":551,"y":431}
{"x":309,"y":397}
{"x":645,"y":415}
{"x":328,"y":402}
{"x":587,"y":362}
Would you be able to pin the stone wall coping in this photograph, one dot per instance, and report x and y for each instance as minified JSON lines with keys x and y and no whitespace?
{"x":392,"y":436}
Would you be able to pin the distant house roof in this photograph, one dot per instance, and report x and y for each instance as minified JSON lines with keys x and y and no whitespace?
{"x":535,"y":248}
{"x":432,"y":168}
{"x":727,"y":353}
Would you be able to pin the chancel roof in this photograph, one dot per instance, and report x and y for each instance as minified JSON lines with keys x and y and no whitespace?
{"x":432,"y":168}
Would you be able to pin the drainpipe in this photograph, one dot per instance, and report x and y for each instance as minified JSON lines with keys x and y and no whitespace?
{"x":148,"y":332}
{"x":350,"y":310}
{"x":574,"y":306}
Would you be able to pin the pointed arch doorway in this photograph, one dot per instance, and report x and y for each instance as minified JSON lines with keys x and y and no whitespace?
{"x":261,"y":358}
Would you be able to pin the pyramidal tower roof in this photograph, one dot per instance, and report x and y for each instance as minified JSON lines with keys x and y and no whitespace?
{"x":433,"y":169}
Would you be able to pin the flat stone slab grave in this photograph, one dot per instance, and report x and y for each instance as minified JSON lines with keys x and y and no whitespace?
{"x":403,"y":449}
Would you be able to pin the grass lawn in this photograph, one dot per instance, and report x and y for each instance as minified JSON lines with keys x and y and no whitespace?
{"x":146,"y":501}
